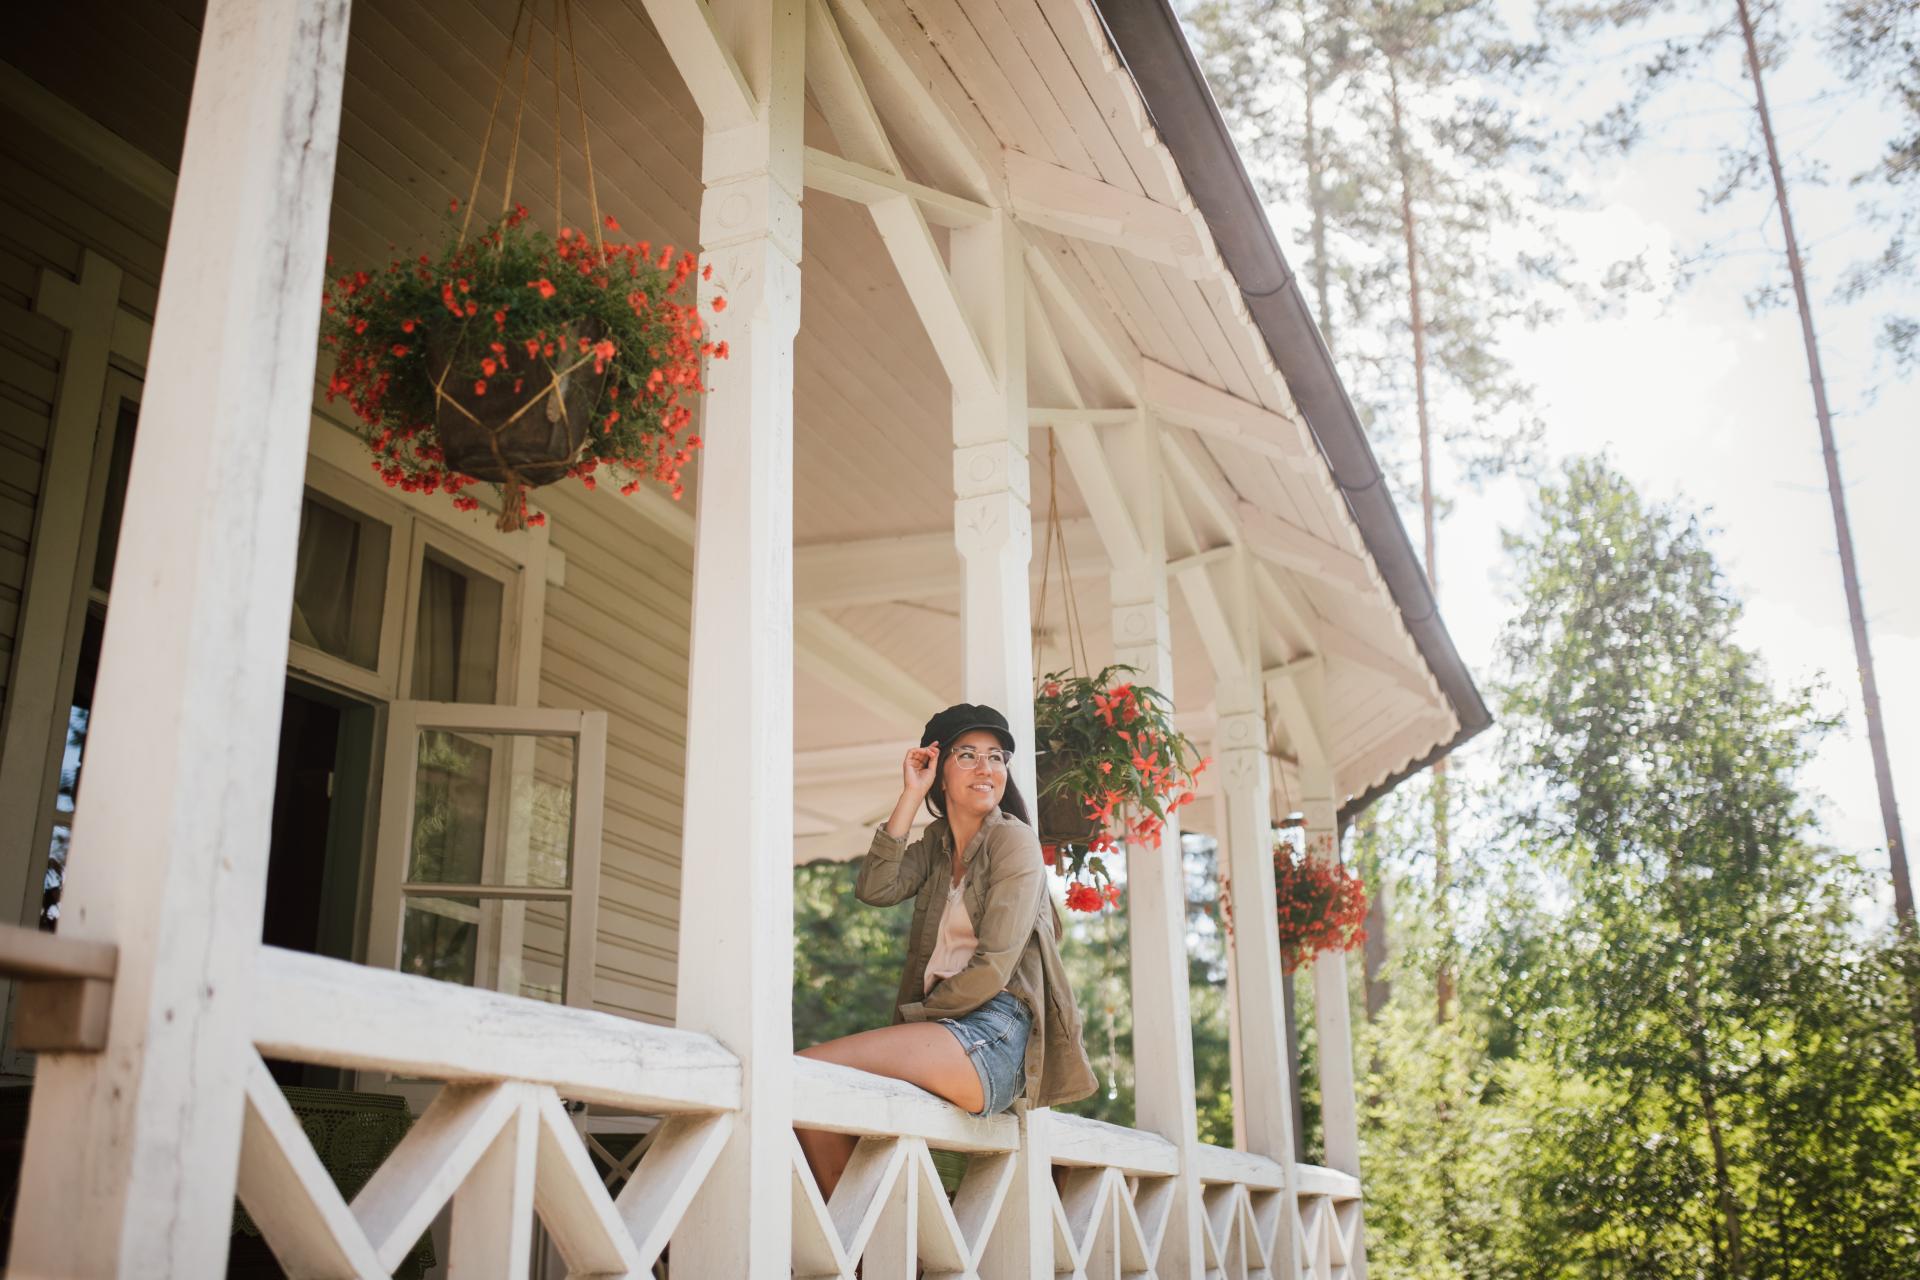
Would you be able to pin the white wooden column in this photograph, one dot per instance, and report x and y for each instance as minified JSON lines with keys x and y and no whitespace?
{"x":993,"y":530}
{"x":1332,"y":1012}
{"x":992,"y":515}
{"x":1240,"y":743}
{"x":736,"y":897}
{"x":1156,"y":876}
{"x":132,"y":1153}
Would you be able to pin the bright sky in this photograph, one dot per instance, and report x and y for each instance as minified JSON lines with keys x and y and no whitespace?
{"x":1696,"y":398}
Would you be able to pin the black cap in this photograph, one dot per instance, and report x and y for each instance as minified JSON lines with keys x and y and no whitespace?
{"x":964,"y":717}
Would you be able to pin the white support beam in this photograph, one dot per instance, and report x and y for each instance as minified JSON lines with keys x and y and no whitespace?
{"x":1183,"y":399}
{"x":1287,"y":544}
{"x":830,"y":653}
{"x":992,"y":511}
{"x":735,"y":968}
{"x":1105,"y":358}
{"x":1202,"y":559}
{"x":700,"y":52}
{"x":1259,"y":1021}
{"x":900,"y":88}
{"x":141,"y":1143}
{"x":1202,"y":483}
{"x":1046,"y":417}
{"x":1339,"y":1100}
{"x":1123,"y":470}
{"x":863,"y":184}
{"x":902,"y":223}
{"x":1114,"y":514}
{"x":1075,"y":204}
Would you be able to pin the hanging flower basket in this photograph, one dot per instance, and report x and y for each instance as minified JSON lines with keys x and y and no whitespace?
{"x":517,"y":358}
{"x":1321,"y":906}
{"x":1110,"y":760}
{"x":520,"y":360}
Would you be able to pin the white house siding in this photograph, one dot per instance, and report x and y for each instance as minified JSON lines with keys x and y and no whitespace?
{"x":616,"y":640}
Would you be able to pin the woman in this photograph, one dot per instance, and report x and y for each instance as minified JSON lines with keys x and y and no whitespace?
{"x":985,"y":1016}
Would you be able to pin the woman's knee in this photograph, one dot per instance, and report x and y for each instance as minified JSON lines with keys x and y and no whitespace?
{"x":826,"y":1051}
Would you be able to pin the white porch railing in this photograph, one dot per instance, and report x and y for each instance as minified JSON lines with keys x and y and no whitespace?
{"x":496,"y":1142}
{"x":1108,"y":1201}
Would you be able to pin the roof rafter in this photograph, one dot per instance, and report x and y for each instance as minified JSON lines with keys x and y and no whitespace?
{"x":1084,"y":207}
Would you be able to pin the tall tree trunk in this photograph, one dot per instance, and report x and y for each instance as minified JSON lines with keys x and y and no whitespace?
{"x":1703,"y":1082}
{"x":1316,"y":179}
{"x":1849,"y":574}
{"x":1409,"y":228}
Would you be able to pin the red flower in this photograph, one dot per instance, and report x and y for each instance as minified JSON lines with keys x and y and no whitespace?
{"x":1082,"y":897}
{"x":399,"y":352}
{"x":719,"y":304}
{"x":479,"y":388}
{"x":544,"y":285}
{"x":611,"y":224}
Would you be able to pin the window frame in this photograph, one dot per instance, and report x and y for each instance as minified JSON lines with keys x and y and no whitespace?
{"x":390,"y":888}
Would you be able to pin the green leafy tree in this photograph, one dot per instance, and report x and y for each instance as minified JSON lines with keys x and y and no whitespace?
{"x":1707,"y":1014}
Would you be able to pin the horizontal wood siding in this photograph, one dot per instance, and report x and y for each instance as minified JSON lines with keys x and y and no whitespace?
{"x":616,"y":640}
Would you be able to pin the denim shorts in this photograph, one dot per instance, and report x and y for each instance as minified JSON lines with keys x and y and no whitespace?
{"x":995,"y":1037}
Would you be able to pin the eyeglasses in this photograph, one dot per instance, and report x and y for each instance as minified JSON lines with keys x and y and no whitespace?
{"x":970,"y":759}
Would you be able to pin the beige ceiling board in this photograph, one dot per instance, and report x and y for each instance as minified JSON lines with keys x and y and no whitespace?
{"x":1219,"y":363}
{"x":1037,"y":40}
{"x":1412,"y":739}
{"x":1078,"y":28}
{"x":1007,"y":90}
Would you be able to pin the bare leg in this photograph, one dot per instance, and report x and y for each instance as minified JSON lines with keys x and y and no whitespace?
{"x":921,"y":1053}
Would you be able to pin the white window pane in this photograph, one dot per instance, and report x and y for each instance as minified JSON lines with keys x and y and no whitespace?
{"x":500,"y":944}
{"x":492,"y":808}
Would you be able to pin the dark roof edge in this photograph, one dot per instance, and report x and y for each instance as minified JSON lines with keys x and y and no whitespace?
{"x":1148,"y":38}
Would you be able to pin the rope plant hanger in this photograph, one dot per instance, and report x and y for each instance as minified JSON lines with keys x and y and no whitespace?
{"x":1109,"y":760}
{"x":519,"y":358}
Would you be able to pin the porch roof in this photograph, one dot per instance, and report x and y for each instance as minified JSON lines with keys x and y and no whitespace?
{"x":1155,"y":51}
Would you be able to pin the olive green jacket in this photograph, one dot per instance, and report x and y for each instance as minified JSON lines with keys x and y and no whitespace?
{"x":1007,"y":898}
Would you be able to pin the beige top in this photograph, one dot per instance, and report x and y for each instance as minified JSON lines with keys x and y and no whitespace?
{"x":956,"y":942}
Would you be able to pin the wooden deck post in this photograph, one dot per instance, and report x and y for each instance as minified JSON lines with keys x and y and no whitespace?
{"x":992,"y":515}
{"x":1156,"y":877}
{"x":993,"y":530}
{"x":1240,"y":745}
{"x":132,"y":1153}
{"x":1332,"y":1013}
{"x":736,"y":896}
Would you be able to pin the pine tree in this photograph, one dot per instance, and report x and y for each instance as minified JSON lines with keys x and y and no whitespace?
{"x":1735,"y":24}
{"x":1384,"y":121}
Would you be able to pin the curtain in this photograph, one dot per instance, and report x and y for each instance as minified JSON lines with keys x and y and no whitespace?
{"x":323,"y":579}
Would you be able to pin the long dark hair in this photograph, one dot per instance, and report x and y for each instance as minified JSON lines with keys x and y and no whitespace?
{"x":1012,"y":803}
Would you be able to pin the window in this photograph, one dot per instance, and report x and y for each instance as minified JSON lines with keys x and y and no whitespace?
{"x":487,"y":872}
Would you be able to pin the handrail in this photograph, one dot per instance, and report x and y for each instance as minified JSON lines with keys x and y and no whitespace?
{"x":1225,"y":1164}
{"x":1078,"y":1140}
{"x":333,"y":1012}
{"x":31,"y":953}
{"x":1317,"y":1180}
{"x":844,"y":1100}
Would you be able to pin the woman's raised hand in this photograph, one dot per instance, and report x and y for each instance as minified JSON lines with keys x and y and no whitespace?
{"x":917,"y":771}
